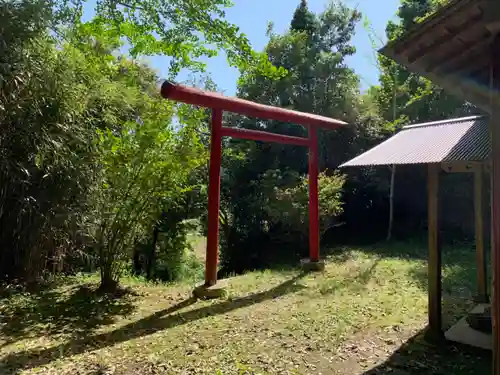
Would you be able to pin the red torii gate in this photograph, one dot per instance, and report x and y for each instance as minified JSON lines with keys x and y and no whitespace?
{"x":219,"y":103}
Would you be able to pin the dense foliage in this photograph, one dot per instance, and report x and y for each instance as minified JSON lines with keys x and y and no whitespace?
{"x":313,"y":52}
{"x":95,"y":171}
{"x":404,"y":98}
{"x":98,"y":172}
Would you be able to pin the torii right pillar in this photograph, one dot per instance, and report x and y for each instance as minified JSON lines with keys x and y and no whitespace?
{"x":495,"y":201}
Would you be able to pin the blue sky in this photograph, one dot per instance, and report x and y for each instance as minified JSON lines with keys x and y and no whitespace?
{"x":252,"y":16}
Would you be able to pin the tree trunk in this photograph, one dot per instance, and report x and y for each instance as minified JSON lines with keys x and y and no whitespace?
{"x":136,"y":261}
{"x":108,"y":283}
{"x":391,"y":203}
{"x":393,"y":169}
{"x":152,"y":254}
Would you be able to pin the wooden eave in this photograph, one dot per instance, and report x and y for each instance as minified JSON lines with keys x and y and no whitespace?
{"x":452,"y":48}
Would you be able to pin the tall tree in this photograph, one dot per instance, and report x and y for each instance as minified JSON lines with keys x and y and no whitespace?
{"x":184,"y":30}
{"x":405,"y":98}
{"x":303,"y":19}
{"x":417,"y":99}
{"x":89,"y":154}
{"x":314,"y":53}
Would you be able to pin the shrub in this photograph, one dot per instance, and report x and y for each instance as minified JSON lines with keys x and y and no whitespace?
{"x":288,"y":204}
{"x":276,"y":228}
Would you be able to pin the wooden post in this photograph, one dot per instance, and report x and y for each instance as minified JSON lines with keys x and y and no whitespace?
{"x":313,"y":196}
{"x":495,"y":203}
{"x":434,"y":262}
{"x":479,"y":203}
{"x":214,"y":199}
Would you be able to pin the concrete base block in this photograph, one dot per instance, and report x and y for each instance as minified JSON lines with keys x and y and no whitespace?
{"x":462,"y":333}
{"x":479,"y":299}
{"x":434,"y":337}
{"x":307,"y":265}
{"x":209,"y":292}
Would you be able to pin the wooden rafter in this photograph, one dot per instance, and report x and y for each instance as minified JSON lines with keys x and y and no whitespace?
{"x":456,"y":32}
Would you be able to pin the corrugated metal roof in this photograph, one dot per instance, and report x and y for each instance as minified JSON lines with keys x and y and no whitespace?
{"x":464,"y":139}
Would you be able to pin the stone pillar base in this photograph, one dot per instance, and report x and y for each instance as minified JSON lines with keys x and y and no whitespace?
{"x":307,"y":265}
{"x":209,"y":292}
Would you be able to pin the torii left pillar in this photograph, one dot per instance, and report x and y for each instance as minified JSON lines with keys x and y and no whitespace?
{"x":219,"y":103}
{"x":212,"y":256}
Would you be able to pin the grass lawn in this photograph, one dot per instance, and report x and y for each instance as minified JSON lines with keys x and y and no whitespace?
{"x":363,"y":315}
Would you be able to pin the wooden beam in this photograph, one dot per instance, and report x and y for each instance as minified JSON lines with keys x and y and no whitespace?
{"x":495,"y":204}
{"x":487,"y":166}
{"x":258,"y":135}
{"x":434,"y":262}
{"x":473,"y":93}
{"x":462,"y":55}
{"x":472,"y":72}
{"x":214,"y":100}
{"x":479,"y":206}
{"x":457,"y":31}
{"x":452,"y":9}
{"x":461,"y":166}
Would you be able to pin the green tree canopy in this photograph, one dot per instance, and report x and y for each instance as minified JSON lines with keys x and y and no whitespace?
{"x":314,"y":54}
{"x":417,"y":99}
{"x":184,"y":30}
{"x":303,"y":19}
{"x":90,"y":153}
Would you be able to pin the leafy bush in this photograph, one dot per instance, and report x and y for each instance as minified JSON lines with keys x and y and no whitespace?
{"x":88,"y":153}
{"x":50,"y":106}
{"x":288,"y":203}
{"x":145,"y":170}
{"x":176,"y":259}
{"x":276,"y":229}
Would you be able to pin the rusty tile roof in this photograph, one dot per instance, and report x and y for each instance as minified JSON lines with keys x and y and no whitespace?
{"x":465,"y":139}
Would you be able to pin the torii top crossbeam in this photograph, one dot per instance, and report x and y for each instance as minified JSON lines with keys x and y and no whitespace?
{"x":219,"y":103}
{"x":214,"y":100}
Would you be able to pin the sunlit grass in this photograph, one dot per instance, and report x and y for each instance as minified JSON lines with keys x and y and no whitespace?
{"x":272,"y":322}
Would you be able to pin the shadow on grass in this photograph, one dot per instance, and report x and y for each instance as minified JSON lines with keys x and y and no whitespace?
{"x":458,"y":270}
{"x":414,"y":249}
{"x":75,"y":311}
{"x":459,"y":285}
{"x":15,"y":288}
{"x":416,"y":356}
{"x":161,"y":320}
{"x":458,"y":263}
{"x":356,"y":282}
